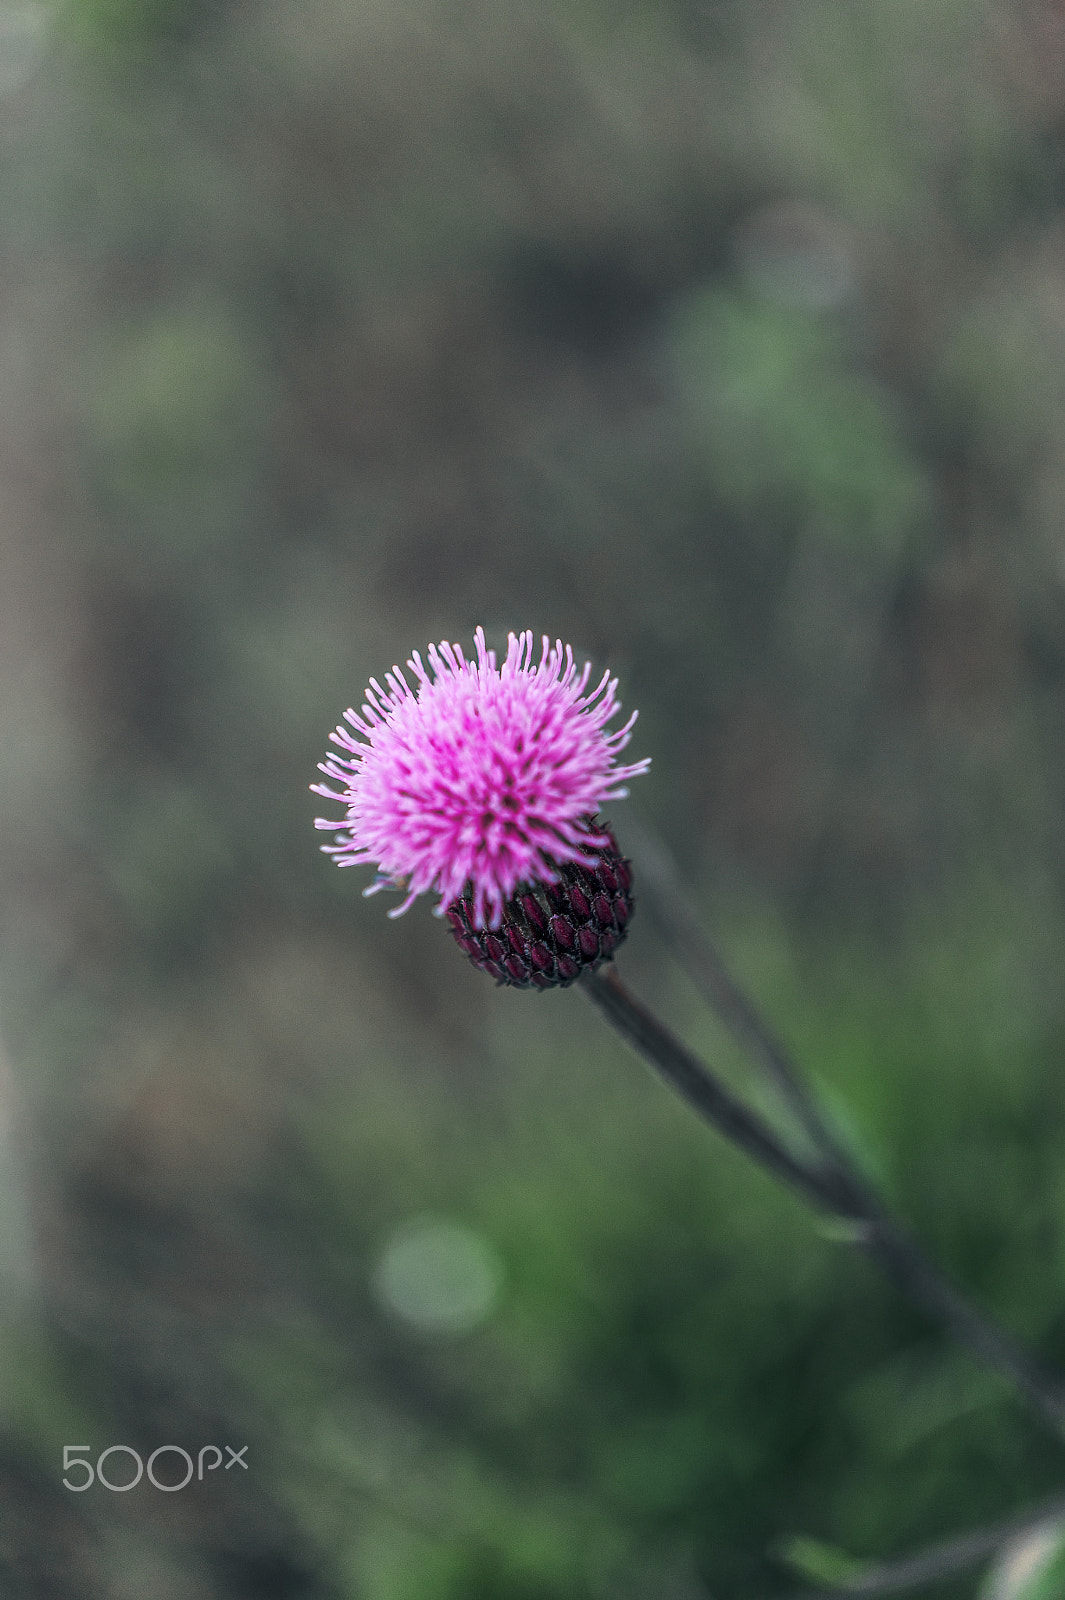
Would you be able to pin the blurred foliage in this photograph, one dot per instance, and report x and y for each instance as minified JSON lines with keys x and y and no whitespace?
{"x":789,"y":431}
{"x":726,"y":341}
{"x":1032,"y":1567}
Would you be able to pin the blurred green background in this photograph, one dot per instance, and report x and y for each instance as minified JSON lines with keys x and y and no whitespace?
{"x":727,"y":341}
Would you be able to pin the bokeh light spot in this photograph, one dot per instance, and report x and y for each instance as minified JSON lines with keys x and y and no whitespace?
{"x":439,"y":1276}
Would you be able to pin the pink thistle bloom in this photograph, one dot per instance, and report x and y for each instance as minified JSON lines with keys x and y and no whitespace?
{"x":480,"y":775}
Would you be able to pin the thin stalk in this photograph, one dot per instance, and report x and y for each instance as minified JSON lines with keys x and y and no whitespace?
{"x":714,"y":1102}
{"x":944,"y":1559}
{"x":831,"y":1186}
{"x":682,"y":929}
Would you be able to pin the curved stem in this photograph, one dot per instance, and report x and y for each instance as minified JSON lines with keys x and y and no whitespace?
{"x":714,"y":1102}
{"x":943,"y":1560}
{"x":682,"y":930}
{"x":832,"y":1185}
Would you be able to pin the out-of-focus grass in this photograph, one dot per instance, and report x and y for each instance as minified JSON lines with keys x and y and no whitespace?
{"x":678,"y":1349}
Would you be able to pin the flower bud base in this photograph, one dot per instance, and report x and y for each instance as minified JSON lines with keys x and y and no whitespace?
{"x":552,"y":932}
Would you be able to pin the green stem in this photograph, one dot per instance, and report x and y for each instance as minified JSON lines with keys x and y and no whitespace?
{"x":833,"y":1186}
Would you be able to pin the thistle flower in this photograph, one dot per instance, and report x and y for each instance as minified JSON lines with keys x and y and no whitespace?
{"x":481,"y":781}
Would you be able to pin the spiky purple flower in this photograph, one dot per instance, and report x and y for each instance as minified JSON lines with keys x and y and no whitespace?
{"x":479,"y":779}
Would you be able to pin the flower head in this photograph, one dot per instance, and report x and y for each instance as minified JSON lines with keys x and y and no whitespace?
{"x":481,"y":778}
